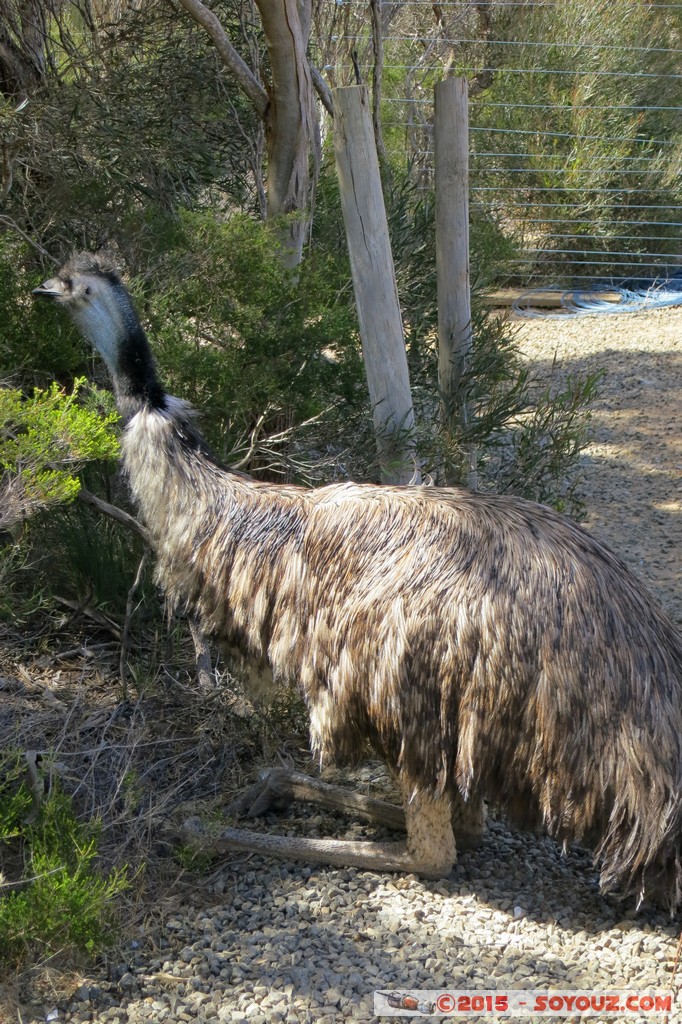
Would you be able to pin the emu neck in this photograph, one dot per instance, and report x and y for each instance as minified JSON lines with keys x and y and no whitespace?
{"x":135,"y":379}
{"x":112,"y":327}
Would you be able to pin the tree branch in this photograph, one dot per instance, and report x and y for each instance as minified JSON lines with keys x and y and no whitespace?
{"x":322,"y":89}
{"x":88,"y":498}
{"x":234,"y":62}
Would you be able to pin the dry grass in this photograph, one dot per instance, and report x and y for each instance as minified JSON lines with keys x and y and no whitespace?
{"x":138,"y":765}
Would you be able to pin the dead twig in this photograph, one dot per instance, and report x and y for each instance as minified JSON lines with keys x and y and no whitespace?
{"x":91,"y":613}
{"x":82,"y":651}
{"x":123,"y":663}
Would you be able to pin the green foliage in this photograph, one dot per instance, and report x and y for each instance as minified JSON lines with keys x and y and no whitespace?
{"x":597,"y":143}
{"x":528,"y":431}
{"x":541,"y":451}
{"x":45,"y":440}
{"x":13,"y":569}
{"x":86,"y":556}
{"x":132,"y":117}
{"x":58,"y":900}
{"x":574,"y":124}
{"x":410,"y":210}
{"x":528,"y":435}
{"x":34,"y":348}
{"x":242,"y":336}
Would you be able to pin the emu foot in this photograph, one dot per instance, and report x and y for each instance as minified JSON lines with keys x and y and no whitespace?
{"x":279,"y":787}
{"x":389,"y":857}
{"x":430,"y":850}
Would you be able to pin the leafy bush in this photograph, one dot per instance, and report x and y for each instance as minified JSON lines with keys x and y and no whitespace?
{"x":58,"y":900}
{"x":88,"y":557}
{"x":34,"y":349}
{"x":528,"y":433}
{"x":248,"y":341}
{"x":132,"y":116}
{"x":45,"y":440}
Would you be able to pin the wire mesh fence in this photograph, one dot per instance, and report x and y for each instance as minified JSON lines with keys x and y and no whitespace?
{"x":575,"y":126}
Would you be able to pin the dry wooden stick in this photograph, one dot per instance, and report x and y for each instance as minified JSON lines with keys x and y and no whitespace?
{"x":88,"y":498}
{"x":279,"y":785}
{"x":123,"y":661}
{"x":91,"y":613}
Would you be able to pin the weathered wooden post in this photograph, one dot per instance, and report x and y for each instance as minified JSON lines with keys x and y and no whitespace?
{"x":451,"y":143}
{"x":376,"y":293}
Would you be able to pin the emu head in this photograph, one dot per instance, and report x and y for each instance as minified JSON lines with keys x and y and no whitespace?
{"x":90,"y":290}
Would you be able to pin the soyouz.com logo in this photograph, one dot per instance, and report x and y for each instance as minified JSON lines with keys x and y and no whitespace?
{"x":444,"y":1003}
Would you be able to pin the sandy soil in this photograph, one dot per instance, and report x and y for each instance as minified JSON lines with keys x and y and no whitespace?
{"x":633,"y":466}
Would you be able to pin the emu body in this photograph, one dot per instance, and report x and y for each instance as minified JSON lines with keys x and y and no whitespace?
{"x":484,"y":646}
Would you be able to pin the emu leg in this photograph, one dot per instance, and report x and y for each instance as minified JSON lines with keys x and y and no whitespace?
{"x":468,"y":821}
{"x":279,"y":787}
{"x":430,"y":850}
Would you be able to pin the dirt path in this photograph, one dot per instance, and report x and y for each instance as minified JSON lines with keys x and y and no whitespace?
{"x":633,"y":467}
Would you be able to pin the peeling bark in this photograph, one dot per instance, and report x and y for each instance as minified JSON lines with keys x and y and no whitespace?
{"x":286,"y":105}
{"x":292,"y":128}
{"x":22,"y":46}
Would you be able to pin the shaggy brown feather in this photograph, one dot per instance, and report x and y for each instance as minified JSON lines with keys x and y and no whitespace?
{"x":483,"y":645}
{"x":476,"y":641}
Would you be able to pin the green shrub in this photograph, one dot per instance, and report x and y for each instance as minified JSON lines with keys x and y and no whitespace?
{"x":35,"y":348}
{"x":243,"y":337}
{"x":45,"y":440}
{"x":58,"y":900}
{"x":88,"y":557}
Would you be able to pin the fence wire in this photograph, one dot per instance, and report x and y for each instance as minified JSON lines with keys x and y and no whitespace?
{"x":575,"y":133}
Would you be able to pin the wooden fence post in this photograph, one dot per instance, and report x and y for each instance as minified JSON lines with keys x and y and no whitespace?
{"x":451,"y":143}
{"x":376,"y":293}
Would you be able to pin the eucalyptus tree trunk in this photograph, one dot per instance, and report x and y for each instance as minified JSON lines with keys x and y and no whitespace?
{"x":374,"y":284}
{"x":291,"y":125}
{"x":286,"y":105}
{"x":22,"y":45}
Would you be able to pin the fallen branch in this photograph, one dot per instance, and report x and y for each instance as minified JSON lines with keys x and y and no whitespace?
{"x":91,"y":613}
{"x":279,"y":786}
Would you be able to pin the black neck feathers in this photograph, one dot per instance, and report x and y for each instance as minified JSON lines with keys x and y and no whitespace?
{"x":135,"y":378}
{"x":134,"y":375}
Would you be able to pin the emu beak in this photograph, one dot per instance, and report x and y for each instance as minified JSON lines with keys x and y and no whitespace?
{"x":52,"y":289}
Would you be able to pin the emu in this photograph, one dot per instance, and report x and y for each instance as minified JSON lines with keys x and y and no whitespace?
{"x":484,"y":646}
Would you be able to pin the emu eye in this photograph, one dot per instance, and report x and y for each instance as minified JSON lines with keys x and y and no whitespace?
{"x":88,"y":289}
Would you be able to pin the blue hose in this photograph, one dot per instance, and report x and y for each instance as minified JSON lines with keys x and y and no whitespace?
{"x":638,"y":298}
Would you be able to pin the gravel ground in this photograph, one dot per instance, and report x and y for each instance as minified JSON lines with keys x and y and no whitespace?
{"x":273,"y":942}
